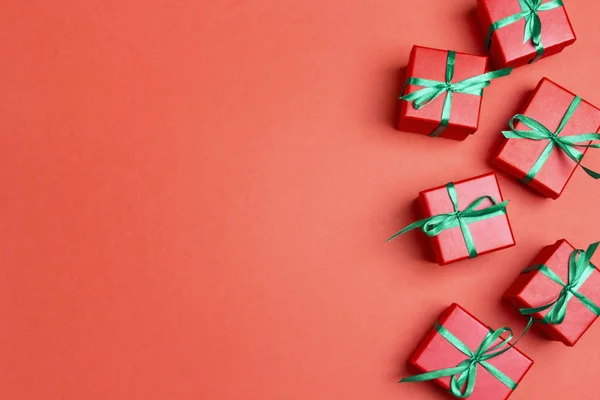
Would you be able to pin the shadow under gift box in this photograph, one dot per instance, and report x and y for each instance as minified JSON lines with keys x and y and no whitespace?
{"x":489,"y":234}
{"x":435,"y":352}
{"x":428,"y":63}
{"x":547,"y":105}
{"x":507,"y":48}
{"x":534,"y":289}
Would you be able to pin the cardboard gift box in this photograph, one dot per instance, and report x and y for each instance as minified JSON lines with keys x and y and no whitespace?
{"x":535,"y":289}
{"x":486,"y":233}
{"x":547,"y":105}
{"x":523,"y":35}
{"x":437,"y":353}
{"x":431,"y":64}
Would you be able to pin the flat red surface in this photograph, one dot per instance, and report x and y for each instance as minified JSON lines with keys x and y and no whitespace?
{"x":196,"y":197}
{"x":435,"y":353}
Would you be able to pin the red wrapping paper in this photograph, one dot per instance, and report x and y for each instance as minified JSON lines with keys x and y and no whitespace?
{"x":489,"y":235}
{"x":430,"y":63}
{"x":507,"y":47}
{"x":548,"y":104}
{"x":435,"y":352}
{"x":534,"y":289}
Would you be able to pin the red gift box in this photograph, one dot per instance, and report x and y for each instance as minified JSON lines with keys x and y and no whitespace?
{"x":507,"y":47}
{"x":547,"y":105}
{"x":427,"y":63}
{"x":435,"y":353}
{"x":535,"y":289}
{"x":488,"y":235}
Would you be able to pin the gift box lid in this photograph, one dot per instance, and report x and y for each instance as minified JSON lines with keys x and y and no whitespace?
{"x":450,"y":243}
{"x":507,"y":42}
{"x":429,"y":63}
{"x":548,"y":105}
{"x":534,"y":289}
{"x":435,"y":352}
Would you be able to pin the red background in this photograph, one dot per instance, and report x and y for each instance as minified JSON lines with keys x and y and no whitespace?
{"x":196,"y":196}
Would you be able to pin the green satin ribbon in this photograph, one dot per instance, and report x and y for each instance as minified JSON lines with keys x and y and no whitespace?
{"x":464,"y":375}
{"x":567,"y":144}
{"x":433,"y":89}
{"x":533,"y":24}
{"x":436,"y":224}
{"x":580,"y":270}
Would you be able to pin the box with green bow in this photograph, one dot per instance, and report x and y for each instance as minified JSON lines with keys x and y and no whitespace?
{"x":518,"y":32}
{"x":560,"y":290}
{"x":546,"y":142}
{"x":469,"y":359}
{"x":442,"y":93}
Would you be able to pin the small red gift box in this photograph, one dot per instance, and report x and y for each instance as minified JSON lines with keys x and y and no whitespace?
{"x":489,"y":234}
{"x":507,"y":43}
{"x":534,"y":289}
{"x":547,"y":105}
{"x":427,"y":63}
{"x":436,"y":353}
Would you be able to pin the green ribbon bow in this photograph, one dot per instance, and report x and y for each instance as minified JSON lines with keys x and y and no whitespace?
{"x":533,"y":24}
{"x":464,"y":375}
{"x":434,"y":225}
{"x":567,"y":144}
{"x":433,"y":89}
{"x":580,"y":270}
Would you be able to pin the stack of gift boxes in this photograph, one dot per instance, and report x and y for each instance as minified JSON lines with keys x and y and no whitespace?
{"x":559,"y":292}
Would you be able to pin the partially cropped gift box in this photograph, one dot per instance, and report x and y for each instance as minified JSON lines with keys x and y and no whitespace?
{"x":560,"y":290}
{"x":464,"y":219}
{"x":518,"y":32}
{"x":466,"y":357}
{"x":548,"y":139}
{"x":443,"y":91}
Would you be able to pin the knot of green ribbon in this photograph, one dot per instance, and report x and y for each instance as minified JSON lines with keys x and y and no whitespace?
{"x":533,"y":26}
{"x":464,"y":375}
{"x":433,"y":89}
{"x":580,"y":270}
{"x":434,"y":225}
{"x":568,"y":144}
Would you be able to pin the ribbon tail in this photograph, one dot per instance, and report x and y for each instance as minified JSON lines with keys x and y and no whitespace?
{"x":578,"y":157}
{"x":410,"y":227}
{"x":418,"y":224}
{"x":590,"y":172}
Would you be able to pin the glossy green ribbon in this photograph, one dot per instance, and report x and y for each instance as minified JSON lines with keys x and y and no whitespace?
{"x":533,"y":24}
{"x":580,"y":270}
{"x":433,"y":89}
{"x":568,"y":144}
{"x":436,"y":224}
{"x":464,"y":375}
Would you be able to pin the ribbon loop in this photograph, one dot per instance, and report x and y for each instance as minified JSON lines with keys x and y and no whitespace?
{"x":434,"y":225}
{"x":568,"y":144}
{"x":432,"y":89}
{"x":580,"y":269}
